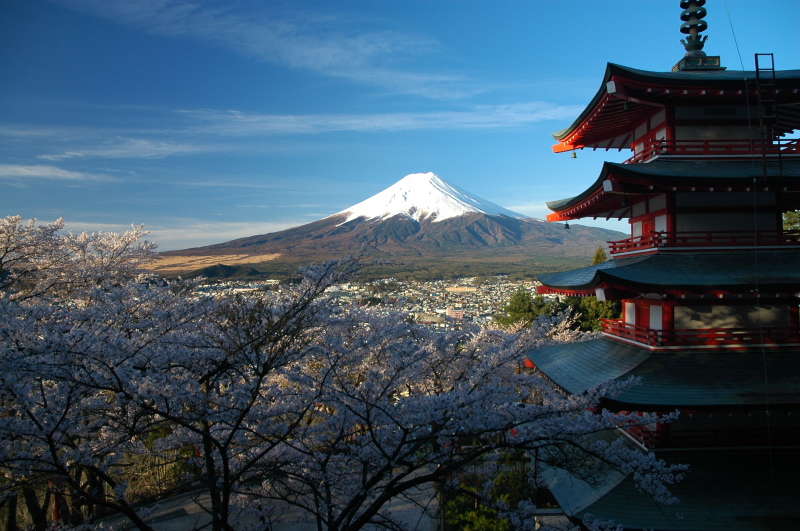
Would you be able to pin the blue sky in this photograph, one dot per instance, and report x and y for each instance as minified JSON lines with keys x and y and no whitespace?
{"x":211,"y":120}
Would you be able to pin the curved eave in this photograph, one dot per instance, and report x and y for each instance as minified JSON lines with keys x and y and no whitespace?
{"x":617,"y":183}
{"x":627,"y":97}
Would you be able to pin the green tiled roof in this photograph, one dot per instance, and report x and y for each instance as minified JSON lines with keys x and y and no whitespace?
{"x":578,"y":367}
{"x":732,"y":271}
{"x":700,"y":378}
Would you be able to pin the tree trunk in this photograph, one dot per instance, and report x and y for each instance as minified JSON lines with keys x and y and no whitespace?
{"x":38,"y":512}
{"x":11,"y":512}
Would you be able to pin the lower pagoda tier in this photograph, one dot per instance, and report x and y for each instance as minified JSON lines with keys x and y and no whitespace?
{"x":686,"y":379}
{"x":724,"y":490}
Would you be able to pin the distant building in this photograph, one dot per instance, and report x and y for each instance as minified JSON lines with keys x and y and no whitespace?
{"x":462,"y":289}
{"x":455,"y":313}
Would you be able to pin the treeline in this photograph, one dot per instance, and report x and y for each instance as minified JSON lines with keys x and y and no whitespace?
{"x":418,"y":270}
{"x":524,"y":308}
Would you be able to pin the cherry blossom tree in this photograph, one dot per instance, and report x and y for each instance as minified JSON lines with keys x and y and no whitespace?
{"x":403,"y":408}
{"x":265,"y":398}
{"x":68,"y":304}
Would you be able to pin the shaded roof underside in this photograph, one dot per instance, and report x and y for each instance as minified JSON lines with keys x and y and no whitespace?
{"x":606,"y":124}
{"x":699,"y":379}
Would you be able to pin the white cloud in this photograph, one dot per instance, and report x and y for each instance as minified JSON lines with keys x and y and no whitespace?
{"x":236,"y":123}
{"x":20,"y":171}
{"x":129,"y":148}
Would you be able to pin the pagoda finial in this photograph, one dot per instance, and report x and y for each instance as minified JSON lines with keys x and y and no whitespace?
{"x":693,"y":24}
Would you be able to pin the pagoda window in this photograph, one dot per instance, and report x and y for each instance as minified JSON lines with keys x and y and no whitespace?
{"x":691,"y":217}
{"x":715,"y":132}
{"x":656,"y":317}
{"x":715,"y":112}
{"x":649,"y":216}
{"x":629,"y":312}
{"x":731,"y":316}
{"x":645,"y":312}
{"x":731,"y":199}
{"x":644,"y":228}
{"x":724,"y":223}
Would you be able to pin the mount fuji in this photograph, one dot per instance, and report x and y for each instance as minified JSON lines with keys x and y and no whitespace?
{"x":423,"y":196}
{"x":433,"y":227}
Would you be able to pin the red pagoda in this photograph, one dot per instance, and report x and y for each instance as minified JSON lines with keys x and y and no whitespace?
{"x":708,"y":281}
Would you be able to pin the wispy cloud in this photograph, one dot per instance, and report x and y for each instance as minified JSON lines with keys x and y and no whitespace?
{"x":129,"y":148}
{"x":20,"y":171}
{"x":325,"y":44}
{"x":480,"y":117}
{"x":203,"y":131}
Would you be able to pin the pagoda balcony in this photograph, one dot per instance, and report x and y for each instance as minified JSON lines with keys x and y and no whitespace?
{"x":699,"y":338}
{"x":654,"y":149}
{"x":703,"y":239}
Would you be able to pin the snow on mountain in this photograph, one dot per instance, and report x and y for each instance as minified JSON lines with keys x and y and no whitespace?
{"x":424,"y":195}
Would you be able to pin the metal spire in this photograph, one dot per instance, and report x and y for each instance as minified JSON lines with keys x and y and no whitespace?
{"x":693,"y":25}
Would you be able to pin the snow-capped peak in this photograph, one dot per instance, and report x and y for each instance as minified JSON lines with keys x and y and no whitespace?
{"x":423,"y":195}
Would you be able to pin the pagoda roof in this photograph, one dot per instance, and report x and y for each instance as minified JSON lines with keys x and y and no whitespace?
{"x":720,"y":272}
{"x":606,"y":123}
{"x":686,"y":379}
{"x":604,"y":196}
{"x":724,"y":490}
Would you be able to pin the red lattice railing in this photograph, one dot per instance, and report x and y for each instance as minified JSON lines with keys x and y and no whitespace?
{"x":655,"y":148}
{"x":700,"y":337}
{"x":655,"y":240}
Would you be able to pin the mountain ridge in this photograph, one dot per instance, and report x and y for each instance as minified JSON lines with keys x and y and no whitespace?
{"x":430,"y":226}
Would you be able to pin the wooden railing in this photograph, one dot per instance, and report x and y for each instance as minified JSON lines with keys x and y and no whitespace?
{"x":655,"y":240}
{"x":688,"y":337}
{"x":654,"y":148}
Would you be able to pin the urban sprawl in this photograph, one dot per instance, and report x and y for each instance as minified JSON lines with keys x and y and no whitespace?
{"x":441,"y":304}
